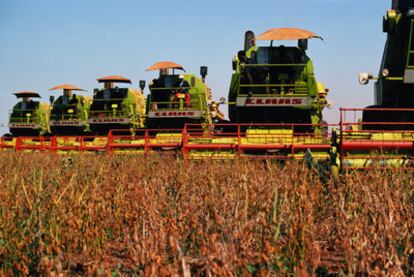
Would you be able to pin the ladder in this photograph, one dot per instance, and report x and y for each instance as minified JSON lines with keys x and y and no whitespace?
{"x":410,"y":56}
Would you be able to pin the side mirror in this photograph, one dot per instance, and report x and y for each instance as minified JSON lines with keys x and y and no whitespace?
{"x":303,"y":44}
{"x":364,"y":78}
{"x":234,"y":64}
{"x":142,"y":84}
{"x":51,"y":99}
{"x":203,"y":72}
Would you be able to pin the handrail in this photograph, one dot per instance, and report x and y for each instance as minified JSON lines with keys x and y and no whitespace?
{"x":273,"y":65}
{"x":109,"y":99}
{"x":22,"y":120}
{"x":119,"y":113}
{"x":22,"y":110}
{"x":193,"y":101}
{"x":168,"y":88}
{"x":66,"y":116}
{"x":377,"y":109}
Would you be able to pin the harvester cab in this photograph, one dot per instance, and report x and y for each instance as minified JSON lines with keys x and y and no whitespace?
{"x":395,"y":82}
{"x":176,"y":99}
{"x":116,"y":108}
{"x":276,"y":84}
{"x":28,"y":117}
{"x":69,"y":112}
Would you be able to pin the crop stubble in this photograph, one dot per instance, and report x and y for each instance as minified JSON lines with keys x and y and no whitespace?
{"x":97,"y":214}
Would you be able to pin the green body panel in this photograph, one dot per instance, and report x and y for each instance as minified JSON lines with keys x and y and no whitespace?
{"x":116,"y":108}
{"x":164,"y":110}
{"x":395,"y":90}
{"x":70,"y":116}
{"x":30,"y":121}
{"x":279,"y":86}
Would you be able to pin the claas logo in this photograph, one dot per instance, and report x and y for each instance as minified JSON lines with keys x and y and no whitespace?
{"x":274,"y":101}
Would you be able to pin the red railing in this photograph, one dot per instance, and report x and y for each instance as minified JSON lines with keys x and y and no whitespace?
{"x":379,"y":141}
{"x":277,"y":141}
{"x":266,"y":140}
{"x":356,"y":139}
{"x":32,"y":143}
{"x":145,"y":139}
{"x":77,"y":143}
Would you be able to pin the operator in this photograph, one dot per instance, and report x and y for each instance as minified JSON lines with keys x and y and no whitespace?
{"x":67,"y":93}
{"x":24,"y":103}
{"x":249,"y":56}
{"x":241,"y":55}
{"x":31,"y":105}
{"x":252,"y":51}
{"x":283,"y":58}
{"x":215,"y":112}
{"x":183,"y":87}
{"x":74,"y":101}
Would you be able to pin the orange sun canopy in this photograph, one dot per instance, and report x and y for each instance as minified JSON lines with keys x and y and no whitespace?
{"x":114,"y":79}
{"x":22,"y":94}
{"x":287,"y":34}
{"x":164,"y":65}
{"x":66,"y":87}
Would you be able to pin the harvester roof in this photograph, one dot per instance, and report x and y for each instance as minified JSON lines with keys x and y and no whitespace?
{"x":67,"y":87}
{"x":113,"y":79}
{"x":22,"y":94}
{"x":164,"y":65}
{"x":287,"y":34}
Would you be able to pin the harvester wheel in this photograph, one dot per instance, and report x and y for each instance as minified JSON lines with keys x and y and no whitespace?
{"x":8,"y":137}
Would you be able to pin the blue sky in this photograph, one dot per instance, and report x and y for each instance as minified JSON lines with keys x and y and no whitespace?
{"x":47,"y":42}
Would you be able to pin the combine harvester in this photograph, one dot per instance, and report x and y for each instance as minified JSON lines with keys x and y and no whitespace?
{"x":28,"y":123}
{"x":383,"y":135}
{"x":28,"y":117}
{"x":116,"y":108}
{"x":174,"y":100}
{"x":69,"y":124}
{"x":177,"y":99}
{"x":69,"y":113}
{"x":275,"y":104}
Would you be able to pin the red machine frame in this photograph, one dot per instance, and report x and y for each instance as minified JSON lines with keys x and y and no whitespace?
{"x":347,"y":130}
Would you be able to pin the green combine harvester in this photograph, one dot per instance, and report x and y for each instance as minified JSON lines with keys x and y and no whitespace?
{"x":69,"y":113}
{"x":384,"y":136}
{"x":174,"y":101}
{"x":116,"y":108}
{"x":177,"y":99}
{"x":28,"y":117}
{"x":276,"y":84}
{"x":275,"y":103}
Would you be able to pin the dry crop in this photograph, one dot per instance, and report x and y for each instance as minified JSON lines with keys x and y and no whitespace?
{"x":160,"y":216}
